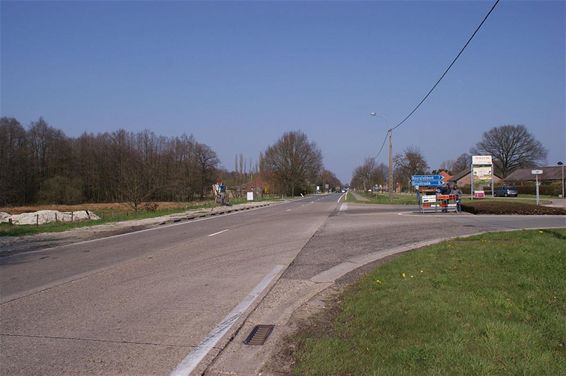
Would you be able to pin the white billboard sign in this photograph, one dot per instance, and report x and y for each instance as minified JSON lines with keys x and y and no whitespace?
{"x":481,"y":159}
{"x":536,"y":172}
{"x":482,"y":172}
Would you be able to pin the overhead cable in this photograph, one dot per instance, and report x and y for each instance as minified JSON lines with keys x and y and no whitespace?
{"x":447,"y":69}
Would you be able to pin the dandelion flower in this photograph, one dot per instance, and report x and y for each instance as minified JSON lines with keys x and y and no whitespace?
{"x":403,"y":275}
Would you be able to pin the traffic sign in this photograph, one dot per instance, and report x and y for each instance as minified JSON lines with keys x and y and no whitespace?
{"x":427,"y":180}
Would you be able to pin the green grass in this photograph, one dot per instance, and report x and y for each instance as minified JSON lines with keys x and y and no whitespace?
{"x":106,"y":216}
{"x":383,"y":198}
{"x":493,"y":304}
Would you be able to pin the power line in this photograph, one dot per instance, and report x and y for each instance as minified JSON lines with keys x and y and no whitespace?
{"x":381,"y":148}
{"x":447,"y":69}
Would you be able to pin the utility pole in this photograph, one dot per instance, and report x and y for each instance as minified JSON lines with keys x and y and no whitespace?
{"x":561,"y":164}
{"x":390,"y":173}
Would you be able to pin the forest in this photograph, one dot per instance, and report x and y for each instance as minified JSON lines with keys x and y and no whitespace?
{"x":40,"y":164}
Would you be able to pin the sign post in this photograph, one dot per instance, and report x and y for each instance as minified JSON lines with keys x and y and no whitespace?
{"x":481,"y":173}
{"x":536,"y":173}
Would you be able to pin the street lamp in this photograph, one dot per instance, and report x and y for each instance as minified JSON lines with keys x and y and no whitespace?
{"x":559,"y":163}
{"x":390,"y":171}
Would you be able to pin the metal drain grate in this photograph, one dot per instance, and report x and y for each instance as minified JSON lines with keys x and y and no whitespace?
{"x":259,"y":334}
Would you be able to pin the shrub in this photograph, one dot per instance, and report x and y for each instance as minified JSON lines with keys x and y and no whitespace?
{"x":501,"y":207}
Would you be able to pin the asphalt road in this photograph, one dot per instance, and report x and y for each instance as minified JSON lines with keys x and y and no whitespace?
{"x":139,"y":303}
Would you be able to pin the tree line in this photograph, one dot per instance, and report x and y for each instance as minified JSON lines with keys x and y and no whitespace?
{"x":42,"y":164}
{"x":39,"y":163}
{"x":511,"y":146}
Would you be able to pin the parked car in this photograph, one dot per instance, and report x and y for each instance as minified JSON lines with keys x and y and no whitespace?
{"x":505,"y":192}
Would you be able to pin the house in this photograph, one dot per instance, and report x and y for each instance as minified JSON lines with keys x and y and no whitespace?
{"x":446,"y":176}
{"x":522,"y":176}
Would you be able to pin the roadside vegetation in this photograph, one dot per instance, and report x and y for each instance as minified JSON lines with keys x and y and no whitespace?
{"x":108,"y":213}
{"x":493,"y":304}
{"x":383,"y":198}
{"x":509,"y":207}
{"x":497,"y":205}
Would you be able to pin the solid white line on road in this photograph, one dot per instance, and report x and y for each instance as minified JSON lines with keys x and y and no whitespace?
{"x":192,"y":360}
{"x":219,"y":232}
{"x":344,"y":207}
{"x":340,"y":198}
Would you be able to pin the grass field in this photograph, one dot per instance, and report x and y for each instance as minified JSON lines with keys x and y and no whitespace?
{"x":493,"y":304}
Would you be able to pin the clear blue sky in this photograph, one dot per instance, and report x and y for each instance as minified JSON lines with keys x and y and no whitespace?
{"x":237,"y":75}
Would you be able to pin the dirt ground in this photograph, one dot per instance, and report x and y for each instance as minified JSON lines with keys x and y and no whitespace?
{"x":118,"y":206}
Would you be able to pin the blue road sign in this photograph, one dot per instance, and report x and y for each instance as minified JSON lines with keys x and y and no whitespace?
{"x":427,"y":180}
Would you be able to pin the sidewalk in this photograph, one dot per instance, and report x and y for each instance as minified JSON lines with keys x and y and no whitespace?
{"x":557,"y":203}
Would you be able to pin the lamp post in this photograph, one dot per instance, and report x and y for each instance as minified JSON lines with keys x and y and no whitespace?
{"x":559,"y":163}
{"x":390,"y":168}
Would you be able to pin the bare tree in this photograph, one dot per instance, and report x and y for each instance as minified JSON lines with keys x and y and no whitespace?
{"x":369,"y":174}
{"x":207,"y":163}
{"x":292,"y":162}
{"x":328,"y":177}
{"x":411,"y":162}
{"x":512,"y":147}
{"x":461,"y":163}
{"x":15,"y":187}
{"x":447,"y":165}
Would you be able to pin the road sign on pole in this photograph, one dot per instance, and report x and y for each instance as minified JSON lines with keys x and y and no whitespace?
{"x":536,"y":173}
{"x":427,"y":180}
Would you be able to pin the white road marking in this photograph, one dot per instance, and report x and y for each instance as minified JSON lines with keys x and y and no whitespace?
{"x":344,"y":207}
{"x":219,"y":232}
{"x":340,"y":198}
{"x":192,"y":360}
{"x":288,"y":210}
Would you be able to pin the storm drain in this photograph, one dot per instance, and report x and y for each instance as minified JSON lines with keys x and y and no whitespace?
{"x":259,"y":334}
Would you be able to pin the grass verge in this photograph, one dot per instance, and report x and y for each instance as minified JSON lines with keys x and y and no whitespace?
{"x":493,"y":304}
{"x":383,"y":198}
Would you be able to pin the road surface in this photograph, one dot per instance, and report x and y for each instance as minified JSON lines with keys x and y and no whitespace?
{"x":146,"y":303}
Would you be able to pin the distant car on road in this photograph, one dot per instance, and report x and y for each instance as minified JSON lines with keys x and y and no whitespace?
{"x":505,"y":192}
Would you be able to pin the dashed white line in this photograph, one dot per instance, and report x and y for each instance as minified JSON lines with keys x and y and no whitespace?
{"x":219,"y":232}
{"x":192,"y":360}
